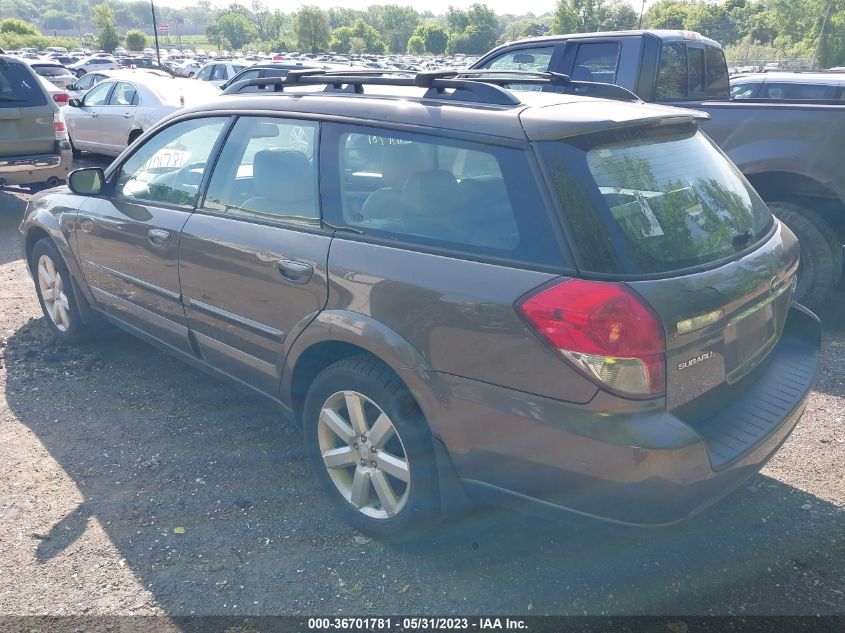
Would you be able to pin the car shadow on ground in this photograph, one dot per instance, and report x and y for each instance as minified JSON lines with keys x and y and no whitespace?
{"x":152,"y":446}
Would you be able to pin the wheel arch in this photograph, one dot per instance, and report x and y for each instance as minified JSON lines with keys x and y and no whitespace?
{"x":337,"y":334}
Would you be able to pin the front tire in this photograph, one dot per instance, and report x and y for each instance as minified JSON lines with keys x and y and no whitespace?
{"x":56,"y":294}
{"x":371,"y":449}
{"x":821,"y":257}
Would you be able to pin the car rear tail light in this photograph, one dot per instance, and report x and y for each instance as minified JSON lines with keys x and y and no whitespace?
{"x":61,"y":97}
{"x":59,"y":127}
{"x":605,"y":330}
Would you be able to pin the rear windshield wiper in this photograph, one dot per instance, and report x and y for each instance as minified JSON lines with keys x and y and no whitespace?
{"x":9,"y":99}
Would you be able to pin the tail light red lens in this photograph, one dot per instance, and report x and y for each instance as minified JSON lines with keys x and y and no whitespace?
{"x":605,"y":329}
{"x":61,"y":97}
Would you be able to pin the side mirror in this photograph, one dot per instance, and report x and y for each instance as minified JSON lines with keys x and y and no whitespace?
{"x":89,"y":181}
{"x":75,"y":103}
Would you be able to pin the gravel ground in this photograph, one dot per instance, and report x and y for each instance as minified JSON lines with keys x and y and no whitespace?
{"x":132,"y":484}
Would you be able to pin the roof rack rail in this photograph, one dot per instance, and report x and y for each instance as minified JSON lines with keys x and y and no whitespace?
{"x":475,"y":86}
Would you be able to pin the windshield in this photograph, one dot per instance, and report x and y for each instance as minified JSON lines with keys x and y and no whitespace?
{"x":667,"y":199}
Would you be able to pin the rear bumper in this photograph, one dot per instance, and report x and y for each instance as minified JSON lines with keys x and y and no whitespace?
{"x":36,"y":168}
{"x":646,"y":469}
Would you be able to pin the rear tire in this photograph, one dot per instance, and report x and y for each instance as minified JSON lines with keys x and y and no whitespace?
{"x":56,"y":294}
{"x":821,"y":257}
{"x":74,"y":152}
{"x":134,"y":134}
{"x":383,"y":478}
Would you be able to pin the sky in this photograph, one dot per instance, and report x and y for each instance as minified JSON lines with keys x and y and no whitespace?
{"x":538,"y":7}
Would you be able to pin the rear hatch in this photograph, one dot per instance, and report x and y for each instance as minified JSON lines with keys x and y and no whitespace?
{"x":26,"y":113}
{"x":660,"y":208}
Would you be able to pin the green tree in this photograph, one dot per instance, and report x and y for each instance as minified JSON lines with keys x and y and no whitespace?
{"x":311,"y":29}
{"x":18,"y":27}
{"x":107,"y":36}
{"x":434,"y":38}
{"x":136,"y":40}
{"x":234,"y":25}
{"x":358,"y":38}
{"x":564,"y":20}
{"x":56,"y":20}
{"x":397,"y":24}
{"x":416,"y":45}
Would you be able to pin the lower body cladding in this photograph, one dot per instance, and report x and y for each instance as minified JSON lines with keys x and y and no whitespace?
{"x":648,"y":469}
{"x":49,"y":169}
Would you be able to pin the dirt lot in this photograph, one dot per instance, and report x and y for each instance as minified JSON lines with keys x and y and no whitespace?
{"x":132,"y":484}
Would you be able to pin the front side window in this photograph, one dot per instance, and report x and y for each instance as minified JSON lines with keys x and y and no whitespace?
{"x":596,"y":62}
{"x":205,"y":73}
{"x":85,"y":82}
{"x":444,"y":194}
{"x":99,"y":95}
{"x":653,"y":200}
{"x":267,"y":170}
{"x":219,"y":73}
{"x":672,"y":76}
{"x":743,"y":91}
{"x":533,"y":59}
{"x":169,"y":166}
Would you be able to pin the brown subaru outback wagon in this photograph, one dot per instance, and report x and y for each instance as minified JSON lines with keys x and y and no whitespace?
{"x":564,"y":299}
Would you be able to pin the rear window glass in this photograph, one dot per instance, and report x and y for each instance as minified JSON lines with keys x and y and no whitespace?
{"x":797,"y":91}
{"x":653,"y":200}
{"x":51,"y":71}
{"x":18,"y":87}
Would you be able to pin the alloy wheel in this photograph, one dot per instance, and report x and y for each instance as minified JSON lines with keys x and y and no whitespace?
{"x":364,"y":455}
{"x":53,"y":293}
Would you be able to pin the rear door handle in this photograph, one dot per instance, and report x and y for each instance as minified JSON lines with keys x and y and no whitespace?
{"x":295,"y":272}
{"x":158,"y":237}
{"x":127,"y":115}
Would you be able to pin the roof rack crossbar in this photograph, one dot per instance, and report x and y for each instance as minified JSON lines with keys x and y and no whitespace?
{"x":476,"y":86}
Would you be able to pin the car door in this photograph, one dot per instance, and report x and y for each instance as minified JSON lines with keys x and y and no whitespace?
{"x":252,"y":259}
{"x":128,"y":239}
{"x":117,"y":116}
{"x":83,"y":122}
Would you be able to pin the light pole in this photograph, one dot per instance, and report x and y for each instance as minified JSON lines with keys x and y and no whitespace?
{"x":155,"y":32}
{"x":639,"y":26}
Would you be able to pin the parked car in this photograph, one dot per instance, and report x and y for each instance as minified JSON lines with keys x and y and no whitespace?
{"x":34,"y":150}
{"x":217,"y":73}
{"x":786,"y":86}
{"x":94,"y":63}
{"x":187,"y":69}
{"x":790,"y":152}
{"x":119,"y":109}
{"x":82,"y":85}
{"x":58,"y":95}
{"x":260,"y":71}
{"x":566,"y":302}
{"x":56,"y":74}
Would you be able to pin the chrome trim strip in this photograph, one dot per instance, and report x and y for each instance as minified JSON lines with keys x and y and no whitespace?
{"x":762,"y":304}
{"x":139,"y":311}
{"x":240,"y":356}
{"x":259,"y":328}
{"x":163,"y":292}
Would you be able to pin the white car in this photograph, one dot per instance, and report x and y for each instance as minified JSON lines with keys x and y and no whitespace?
{"x":117,"y":110}
{"x":82,"y":85}
{"x":94,"y":63}
{"x":218,"y":73}
{"x":187,"y":69}
{"x":53,"y":72}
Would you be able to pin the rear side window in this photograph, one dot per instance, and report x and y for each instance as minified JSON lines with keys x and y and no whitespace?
{"x":797,"y":91}
{"x":596,"y":62}
{"x":718,"y":83}
{"x":445,"y":194}
{"x":743,"y":91}
{"x":653,"y":200}
{"x":672,"y":76}
{"x":18,"y":87}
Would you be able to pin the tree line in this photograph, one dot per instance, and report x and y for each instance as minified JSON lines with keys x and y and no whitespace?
{"x":812,"y":29}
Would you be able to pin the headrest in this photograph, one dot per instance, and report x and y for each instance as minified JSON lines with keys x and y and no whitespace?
{"x":283,"y":174}
{"x":432,"y":192}
{"x":399,"y":162}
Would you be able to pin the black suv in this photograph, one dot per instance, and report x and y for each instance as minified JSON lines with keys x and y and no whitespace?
{"x":568,"y":300}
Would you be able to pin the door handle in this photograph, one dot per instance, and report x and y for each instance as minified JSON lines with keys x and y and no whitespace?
{"x":295,"y":272}
{"x":128,"y":115}
{"x":94,"y":115}
{"x":157,"y":237}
